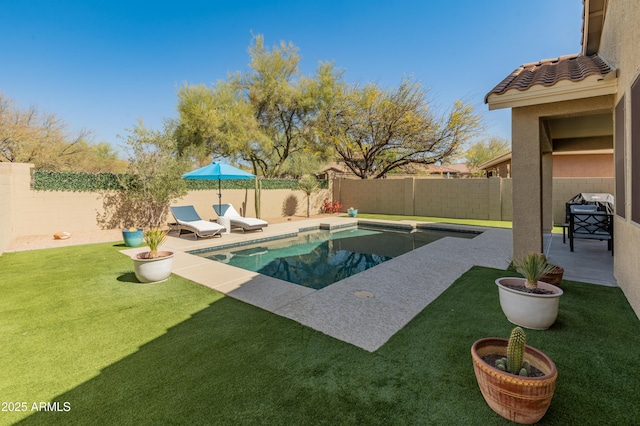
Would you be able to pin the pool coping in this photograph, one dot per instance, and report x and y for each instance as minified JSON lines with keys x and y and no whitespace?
{"x":399,"y":288}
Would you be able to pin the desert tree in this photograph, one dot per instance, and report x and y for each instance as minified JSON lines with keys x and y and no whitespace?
{"x":28,"y":135}
{"x":262,"y":117}
{"x":485,"y":150}
{"x":375,"y":130}
{"x":154,"y":175}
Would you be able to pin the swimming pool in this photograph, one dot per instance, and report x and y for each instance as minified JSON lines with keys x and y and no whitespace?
{"x":320,"y":258}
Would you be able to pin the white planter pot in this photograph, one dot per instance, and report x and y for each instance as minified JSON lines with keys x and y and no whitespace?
{"x":153,"y":270}
{"x":534,"y":311}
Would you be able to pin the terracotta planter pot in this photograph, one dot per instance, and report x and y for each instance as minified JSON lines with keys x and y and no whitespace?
{"x":554,"y":277}
{"x":153,"y":270}
{"x":529,"y":310}
{"x":520,"y":399}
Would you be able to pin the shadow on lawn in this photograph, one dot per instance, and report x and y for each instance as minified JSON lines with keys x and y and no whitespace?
{"x":128,"y":277}
{"x":233,"y":363}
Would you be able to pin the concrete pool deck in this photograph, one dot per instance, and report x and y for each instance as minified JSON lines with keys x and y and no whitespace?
{"x":397,"y":290}
{"x":365,"y":309}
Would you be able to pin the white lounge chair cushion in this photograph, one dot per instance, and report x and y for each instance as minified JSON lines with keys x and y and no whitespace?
{"x":229,"y":212}
{"x":203,"y":226}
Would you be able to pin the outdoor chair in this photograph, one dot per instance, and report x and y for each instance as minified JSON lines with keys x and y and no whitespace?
{"x":187,"y":219}
{"x":589,"y":223}
{"x":245,"y":223}
{"x":579,"y":208}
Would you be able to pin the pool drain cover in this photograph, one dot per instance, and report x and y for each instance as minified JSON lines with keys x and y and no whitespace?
{"x":363,"y":294}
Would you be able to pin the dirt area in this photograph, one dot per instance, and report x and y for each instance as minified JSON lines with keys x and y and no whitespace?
{"x":35,"y":242}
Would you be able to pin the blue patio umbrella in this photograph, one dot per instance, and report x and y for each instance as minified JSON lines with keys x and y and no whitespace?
{"x":218,"y":171}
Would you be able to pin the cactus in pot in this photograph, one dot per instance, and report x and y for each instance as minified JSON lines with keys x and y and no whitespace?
{"x":514,"y":362}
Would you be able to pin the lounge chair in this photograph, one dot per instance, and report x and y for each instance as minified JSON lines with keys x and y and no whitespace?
{"x":237,"y":221}
{"x":187,"y":219}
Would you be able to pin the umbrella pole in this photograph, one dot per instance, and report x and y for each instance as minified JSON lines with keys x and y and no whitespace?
{"x":219,"y":197}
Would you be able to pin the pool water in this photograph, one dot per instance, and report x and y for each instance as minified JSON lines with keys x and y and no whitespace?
{"x":320,"y":258}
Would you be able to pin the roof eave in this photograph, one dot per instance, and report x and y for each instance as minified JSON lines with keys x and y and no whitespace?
{"x":500,"y":159}
{"x":562,"y":91}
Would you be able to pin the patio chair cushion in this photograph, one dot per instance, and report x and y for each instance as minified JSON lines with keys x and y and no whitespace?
{"x":237,"y":221}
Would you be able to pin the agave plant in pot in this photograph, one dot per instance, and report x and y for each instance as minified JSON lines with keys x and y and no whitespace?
{"x":529,"y":302}
{"x":516,"y":380}
{"x":153,"y":265}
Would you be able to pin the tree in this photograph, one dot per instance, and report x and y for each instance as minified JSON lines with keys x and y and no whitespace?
{"x":308,"y":184}
{"x":374,"y":131}
{"x":30,"y":136}
{"x":154,"y":176}
{"x":486,"y":150}
{"x":263,"y":117}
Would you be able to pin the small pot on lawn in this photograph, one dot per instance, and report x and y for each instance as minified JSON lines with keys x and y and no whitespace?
{"x":133,"y":237}
{"x":153,"y":266}
{"x":520,"y":383}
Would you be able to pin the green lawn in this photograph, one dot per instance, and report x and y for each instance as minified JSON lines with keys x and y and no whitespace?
{"x":77,"y":329}
{"x":472,"y":222}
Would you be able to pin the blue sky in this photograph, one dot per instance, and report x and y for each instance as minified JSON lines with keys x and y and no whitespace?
{"x":101,"y":65}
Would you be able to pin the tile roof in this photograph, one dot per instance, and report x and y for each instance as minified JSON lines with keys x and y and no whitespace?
{"x":550,"y":71}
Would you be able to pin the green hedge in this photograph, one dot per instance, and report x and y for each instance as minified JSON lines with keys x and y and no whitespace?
{"x":67,"y":181}
{"x":89,"y":182}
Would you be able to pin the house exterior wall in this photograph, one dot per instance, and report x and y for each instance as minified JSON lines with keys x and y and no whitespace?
{"x":620,"y":47}
{"x":583,"y":165}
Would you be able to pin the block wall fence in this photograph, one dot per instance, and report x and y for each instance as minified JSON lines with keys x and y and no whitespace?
{"x":24,"y":211}
{"x":488,"y":199}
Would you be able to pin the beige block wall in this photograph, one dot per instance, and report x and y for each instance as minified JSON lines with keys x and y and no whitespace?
{"x":455,"y":198}
{"x":566,"y":188}
{"x":26,"y":212}
{"x":6,"y":204}
{"x":382,"y":196}
{"x":620,"y":47}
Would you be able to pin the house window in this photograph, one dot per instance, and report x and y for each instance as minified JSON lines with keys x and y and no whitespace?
{"x":620,"y":156}
{"x":635,"y":151}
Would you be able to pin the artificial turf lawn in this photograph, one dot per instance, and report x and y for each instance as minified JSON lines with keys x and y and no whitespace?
{"x":75,"y":328}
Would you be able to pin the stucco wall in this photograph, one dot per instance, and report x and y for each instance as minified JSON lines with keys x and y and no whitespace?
{"x":26,"y":212}
{"x":584,"y":165}
{"x":6,"y":204}
{"x":620,"y":47}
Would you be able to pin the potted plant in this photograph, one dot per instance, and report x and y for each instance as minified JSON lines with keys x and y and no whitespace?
{"x":554,"y":276}
{"x":153,"y":181}
{"x":516,"y":380}
{"x":529,"y":302}
{"x":153,"y":265}
{"x":352,"y":212}
{"x":132,"y":237}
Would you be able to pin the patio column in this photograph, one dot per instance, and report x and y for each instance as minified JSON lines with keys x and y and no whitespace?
{"x":547,"y":192}
{"x":527,"y":182}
